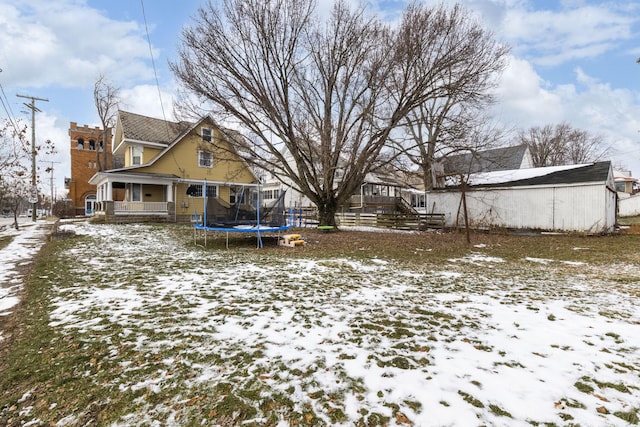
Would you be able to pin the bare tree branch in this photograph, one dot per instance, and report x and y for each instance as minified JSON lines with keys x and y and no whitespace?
{"x":561,"y":145}
{"x":316,"y":101}
{"x":107,"y":99}
{"x":452,"y":118}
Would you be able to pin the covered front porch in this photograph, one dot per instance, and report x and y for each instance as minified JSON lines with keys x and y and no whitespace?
{"x":147,"y":197}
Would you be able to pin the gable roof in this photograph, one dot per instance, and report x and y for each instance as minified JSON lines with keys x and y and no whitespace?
{"x":148,"y":129}
{"x":505,"y":158}
{"x":552,"y":175}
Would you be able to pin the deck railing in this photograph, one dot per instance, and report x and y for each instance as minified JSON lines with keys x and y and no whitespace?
{"x":139,"y":207}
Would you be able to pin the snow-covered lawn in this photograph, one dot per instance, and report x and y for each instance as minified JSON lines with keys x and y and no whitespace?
{"x":195,"y":336}
{"x":25,"y":243}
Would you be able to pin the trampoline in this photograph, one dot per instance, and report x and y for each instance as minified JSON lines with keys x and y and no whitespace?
{"x":244,"y":215}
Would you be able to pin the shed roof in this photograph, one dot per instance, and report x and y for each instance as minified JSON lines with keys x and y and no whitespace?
{"x":552,"y":175}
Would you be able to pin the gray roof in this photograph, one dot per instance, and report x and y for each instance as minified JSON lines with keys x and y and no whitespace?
{"x":595,"y":172}
{"x":570,"y":174}
{"x":148,"y":129}
{"x":485,"y":161}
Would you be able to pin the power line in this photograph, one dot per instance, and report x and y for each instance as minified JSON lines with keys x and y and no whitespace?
{"x":155,"y":72}
{"x":7,"y":108}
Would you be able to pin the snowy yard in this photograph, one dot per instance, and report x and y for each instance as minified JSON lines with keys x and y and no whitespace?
{"x":166,"y":333}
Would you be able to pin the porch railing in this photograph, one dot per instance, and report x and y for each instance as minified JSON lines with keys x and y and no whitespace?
{"x":140,"y":207}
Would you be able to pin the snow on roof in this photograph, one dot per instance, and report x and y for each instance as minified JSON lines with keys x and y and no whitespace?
{"x":564,"y":174}
{"x":498,"y":177}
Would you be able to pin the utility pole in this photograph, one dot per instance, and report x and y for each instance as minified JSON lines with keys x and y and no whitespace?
{"x":33,"y":108}
{"x":52,"y":196}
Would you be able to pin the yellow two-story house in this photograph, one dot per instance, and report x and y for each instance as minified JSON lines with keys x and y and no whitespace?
{"x":167,"y":167}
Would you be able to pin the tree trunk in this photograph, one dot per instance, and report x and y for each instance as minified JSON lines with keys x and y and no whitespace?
{"x":327,"y":212}
{"x":15,"y":220}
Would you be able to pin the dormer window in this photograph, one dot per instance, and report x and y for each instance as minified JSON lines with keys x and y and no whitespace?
{"x":206,"y":134}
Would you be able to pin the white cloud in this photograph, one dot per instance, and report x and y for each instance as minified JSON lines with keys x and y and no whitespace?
{"x":50,"y":127}
{"x":526,"y":100}
{"x":66,"y":43}
{"x":523,"y":101}
{"x":552,"y":37}
{"x":144,"y":99}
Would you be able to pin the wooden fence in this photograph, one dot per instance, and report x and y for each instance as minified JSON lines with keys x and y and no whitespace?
{"x":399,"y":221}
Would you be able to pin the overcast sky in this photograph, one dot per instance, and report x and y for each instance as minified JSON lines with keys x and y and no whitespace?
{"x":572,"y":60}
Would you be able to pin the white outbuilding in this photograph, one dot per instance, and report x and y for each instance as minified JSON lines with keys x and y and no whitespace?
{"x":573,"y":198}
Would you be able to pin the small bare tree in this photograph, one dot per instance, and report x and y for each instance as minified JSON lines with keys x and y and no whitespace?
{"x":107,"y":98}
{"x":324,"y":94}
{"x":562,"y":144}
{"x":15,"y":186}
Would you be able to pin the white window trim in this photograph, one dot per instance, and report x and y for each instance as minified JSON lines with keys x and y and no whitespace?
{"x":132,"y":155}
{"x":133,"y":198}
{"x":207,"y":138}
{"x":209,"y":187}
{"x":200,"y":153}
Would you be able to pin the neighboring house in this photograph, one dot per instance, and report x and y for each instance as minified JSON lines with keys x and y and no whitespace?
{"x":273,"y":188}
{"x":384,"y":193}
{"x":625,"y":183}
{"x":497,"y":159}
{"x":576,"y":198}
{"x":85,"y":144}
{"x":628,"y":195}
{"x":379,"y":192}
{"x":167,"y":166}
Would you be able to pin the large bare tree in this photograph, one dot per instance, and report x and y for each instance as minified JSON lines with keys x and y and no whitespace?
{"x":562,"y":145}
{"x":107,"y":98}
{"x":315,"y":100}
{"x":455,"y":120}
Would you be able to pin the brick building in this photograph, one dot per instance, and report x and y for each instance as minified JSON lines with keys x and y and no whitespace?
{"x":85,"y":143}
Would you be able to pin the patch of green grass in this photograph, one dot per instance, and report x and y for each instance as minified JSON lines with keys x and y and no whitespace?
{"x":5,"y":241}
{"x":585,"y":388}
{"x":372,"y":419}
{"x":470,"y":399}
{"x":572,"y":403}
{"x":496,"y":410}
{"x":620,"y":387}
{"x":625,"y":366}
{"x":414,"y":405}
{"x":630,"y":416}
{"x":615,"y":336}
{"x":565,"y":416}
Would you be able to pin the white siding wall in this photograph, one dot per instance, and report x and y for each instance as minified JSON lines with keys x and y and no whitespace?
{"x":584,"y":208}
{"x":629,"y":206}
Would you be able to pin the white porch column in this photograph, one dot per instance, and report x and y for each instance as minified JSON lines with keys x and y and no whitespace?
{"x":99,"y":192}
{"x":169,"y":192}
{"x":109,"y":191}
